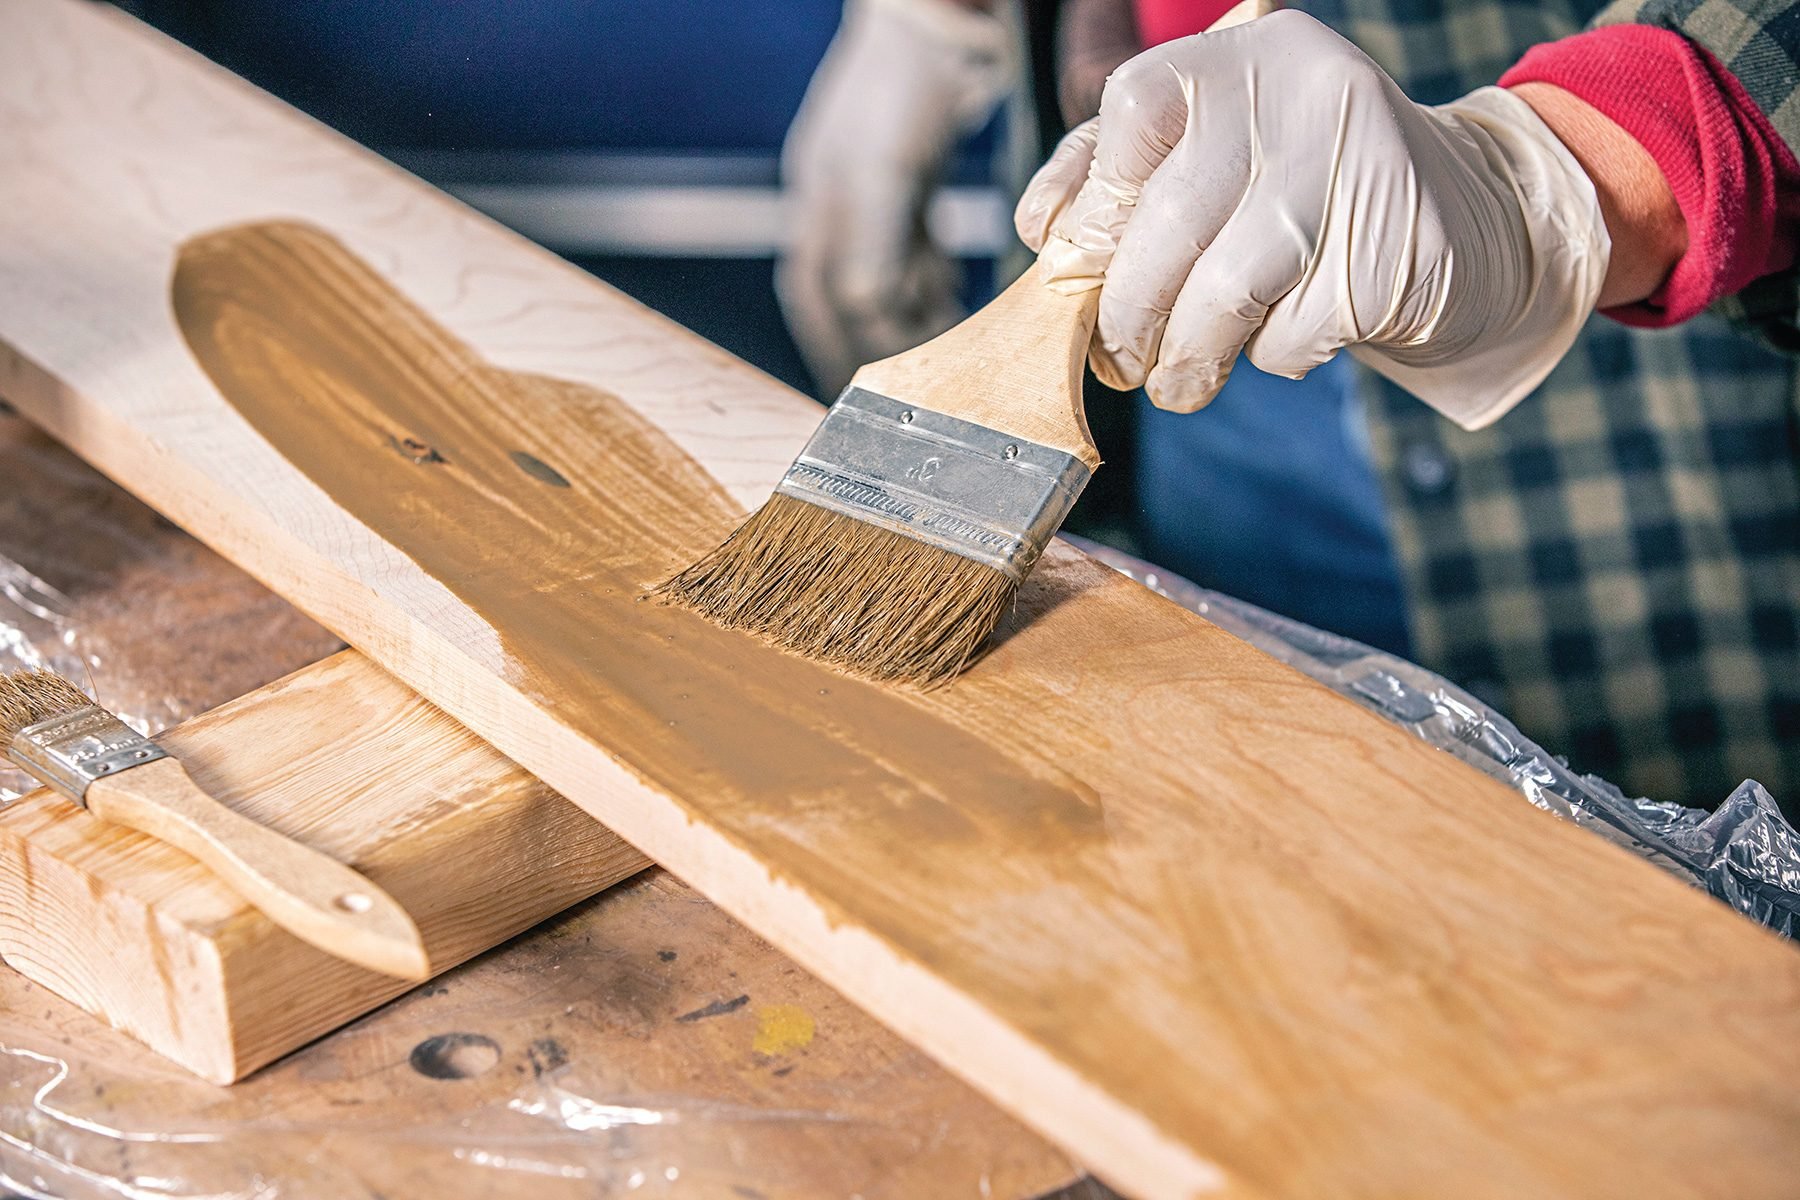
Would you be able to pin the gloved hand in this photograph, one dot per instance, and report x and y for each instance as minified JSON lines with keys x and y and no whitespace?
{"x":903,"y":80}
{"x":1269,"y":189}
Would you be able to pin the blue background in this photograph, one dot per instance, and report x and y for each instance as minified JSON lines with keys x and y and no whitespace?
{"x":536,"y":74}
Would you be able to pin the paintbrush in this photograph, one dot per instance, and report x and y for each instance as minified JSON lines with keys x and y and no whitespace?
{"x":70,"y":744}
{"x":898,"y":539}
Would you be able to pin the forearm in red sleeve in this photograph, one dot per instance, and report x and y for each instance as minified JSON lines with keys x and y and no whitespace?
{"x":1736,"y":182}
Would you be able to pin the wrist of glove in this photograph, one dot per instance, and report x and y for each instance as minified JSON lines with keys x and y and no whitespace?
{"x":1269,"y":190}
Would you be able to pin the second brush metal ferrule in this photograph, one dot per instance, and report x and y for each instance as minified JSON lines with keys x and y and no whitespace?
{"x":69,"y":752}
{"x":940,"y":480}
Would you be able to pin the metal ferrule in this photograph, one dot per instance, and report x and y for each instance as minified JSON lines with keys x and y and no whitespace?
{"x":69,"y":752}
{"x":941,"y":480}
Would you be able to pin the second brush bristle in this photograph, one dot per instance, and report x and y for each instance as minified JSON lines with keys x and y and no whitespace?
{"x":30,"y":696}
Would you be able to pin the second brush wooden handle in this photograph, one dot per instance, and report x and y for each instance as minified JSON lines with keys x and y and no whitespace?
{"x":312,"y":896}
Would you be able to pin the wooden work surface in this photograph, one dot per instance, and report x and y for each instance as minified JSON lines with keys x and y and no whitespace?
{"x":641,"y":1032}
{"x":1203,"y":922}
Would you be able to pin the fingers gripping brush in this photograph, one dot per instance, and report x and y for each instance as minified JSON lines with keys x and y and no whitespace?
{"x":897,"y":540}
{"x":75,"y":747}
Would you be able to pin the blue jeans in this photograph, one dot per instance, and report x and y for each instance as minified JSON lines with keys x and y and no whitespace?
{"x":1268,"y":495}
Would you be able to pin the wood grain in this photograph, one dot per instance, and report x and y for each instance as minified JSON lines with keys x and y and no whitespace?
{"x":1185,"y":911}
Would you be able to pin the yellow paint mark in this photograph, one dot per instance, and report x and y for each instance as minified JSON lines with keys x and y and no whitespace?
{"x":781,"y":1028}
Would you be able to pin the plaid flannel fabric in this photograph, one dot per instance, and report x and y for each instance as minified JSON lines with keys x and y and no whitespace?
{"x":1616,"y":563}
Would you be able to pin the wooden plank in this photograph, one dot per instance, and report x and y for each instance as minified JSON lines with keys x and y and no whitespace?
{"x":1185,"y":911}
{"x":647,"y":998}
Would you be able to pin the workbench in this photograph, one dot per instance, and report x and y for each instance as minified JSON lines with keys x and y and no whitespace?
{"x":643,"y":1042}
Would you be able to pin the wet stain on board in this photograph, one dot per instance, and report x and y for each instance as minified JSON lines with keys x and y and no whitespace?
{"x":326,"y":360}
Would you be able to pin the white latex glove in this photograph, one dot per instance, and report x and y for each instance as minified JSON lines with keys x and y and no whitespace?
{"x":904,"y":79}
{"x":1269,"y":189}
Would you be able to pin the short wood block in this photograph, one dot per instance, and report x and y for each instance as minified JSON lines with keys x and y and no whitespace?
{"x":345,"y":759}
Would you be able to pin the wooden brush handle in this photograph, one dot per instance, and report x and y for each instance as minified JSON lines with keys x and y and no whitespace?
{"x":317,"y":899}
{"x":1015,"y":366}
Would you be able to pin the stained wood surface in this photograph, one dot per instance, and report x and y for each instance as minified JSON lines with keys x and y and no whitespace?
{"x":647,"y":1003}
{"x":1203,"y":922}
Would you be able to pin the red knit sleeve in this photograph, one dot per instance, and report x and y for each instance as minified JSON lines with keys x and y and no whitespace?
{"x":1736,"y":182}
{"x":1162,"y":21}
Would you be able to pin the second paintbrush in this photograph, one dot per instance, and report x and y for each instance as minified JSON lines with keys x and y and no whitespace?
{"x":49,"y":728}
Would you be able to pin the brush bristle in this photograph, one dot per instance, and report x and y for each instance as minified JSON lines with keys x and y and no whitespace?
{"x":27,"y":697}
{"x":864,"y":599}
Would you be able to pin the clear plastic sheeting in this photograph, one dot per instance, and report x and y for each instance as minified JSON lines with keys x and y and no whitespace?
{"x":1745,"y":853}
